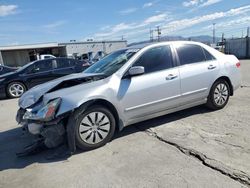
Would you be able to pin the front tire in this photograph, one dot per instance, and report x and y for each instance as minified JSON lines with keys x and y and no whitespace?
{"x":219,"y":95}
{"x":94,"y":127}
{"x":16,"y":89}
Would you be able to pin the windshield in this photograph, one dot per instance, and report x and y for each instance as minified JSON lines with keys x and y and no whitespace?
{"x":112,"y":62}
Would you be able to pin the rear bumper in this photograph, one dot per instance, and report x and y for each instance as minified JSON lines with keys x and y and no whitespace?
{"x":2,"y":91}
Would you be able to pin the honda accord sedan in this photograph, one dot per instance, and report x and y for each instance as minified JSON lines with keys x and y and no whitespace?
{"x":128,"y":86}
{"x":14,"y":84}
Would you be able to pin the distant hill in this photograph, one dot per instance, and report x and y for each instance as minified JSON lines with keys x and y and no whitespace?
{"x":202,"y":38}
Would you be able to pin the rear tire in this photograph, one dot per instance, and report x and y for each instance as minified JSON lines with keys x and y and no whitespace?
{"x":15,"y":89}
{"x":219,"y":95}
{"x":94,"y":127}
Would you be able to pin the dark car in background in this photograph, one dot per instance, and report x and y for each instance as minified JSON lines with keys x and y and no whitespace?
{"x":5,"y":69}
{"x":14,"y":84}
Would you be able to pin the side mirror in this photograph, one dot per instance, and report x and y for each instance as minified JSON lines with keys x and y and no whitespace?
{"x":35,"y":70}
{"x":137,"y":70}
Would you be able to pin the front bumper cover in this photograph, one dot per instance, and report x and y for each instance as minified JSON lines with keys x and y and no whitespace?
{"x":52,"y":133}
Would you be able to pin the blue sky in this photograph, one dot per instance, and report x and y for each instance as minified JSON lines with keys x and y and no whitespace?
{"x":29,"y":21}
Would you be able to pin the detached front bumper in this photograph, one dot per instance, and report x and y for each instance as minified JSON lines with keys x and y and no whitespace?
{"x":53,"y":132}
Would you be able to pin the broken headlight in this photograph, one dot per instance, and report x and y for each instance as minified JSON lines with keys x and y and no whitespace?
{"x":46,"y":113}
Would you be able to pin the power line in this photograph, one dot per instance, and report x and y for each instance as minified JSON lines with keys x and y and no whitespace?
{"x":214,"y":33}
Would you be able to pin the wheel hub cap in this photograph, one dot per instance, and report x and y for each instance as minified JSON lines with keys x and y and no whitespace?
{"x":94,"y":127}
{"x":16,"y":90}
{"x":221,"y":94}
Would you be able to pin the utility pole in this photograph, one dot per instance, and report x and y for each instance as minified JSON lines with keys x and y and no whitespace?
{"x":158,"y":30}
{"x":214,"y":33}
{"x":104,"y":46}
{"x":151,"y":35}
{"x":223,"y":42}
{"x":247,"y":43}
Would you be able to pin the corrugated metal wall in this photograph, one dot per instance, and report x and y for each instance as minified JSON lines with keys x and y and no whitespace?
{"x":15,"y":58}
{"x":239,"y":47}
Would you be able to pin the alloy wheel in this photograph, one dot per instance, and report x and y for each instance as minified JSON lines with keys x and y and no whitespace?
{"x":221,"y":94}
{"x":94,"y":127}
{"x":16,"y":90}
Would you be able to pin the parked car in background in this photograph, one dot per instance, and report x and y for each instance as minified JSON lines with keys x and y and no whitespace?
{"x":46,"y":56}
{"x":126,"y":87}
{"x":5,"y":69}
{"x":14,"y":84}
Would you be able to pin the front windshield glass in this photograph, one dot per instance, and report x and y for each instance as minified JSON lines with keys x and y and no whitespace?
{"x":111,"y":63}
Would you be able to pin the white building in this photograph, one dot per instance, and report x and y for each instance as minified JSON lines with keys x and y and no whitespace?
{"x":20,"y":55}
{"x":93,"y":47}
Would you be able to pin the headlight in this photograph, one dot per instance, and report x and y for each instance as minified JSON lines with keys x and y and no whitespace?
{"x":46,"y":113}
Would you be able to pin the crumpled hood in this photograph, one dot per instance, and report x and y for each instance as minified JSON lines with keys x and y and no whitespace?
{"x":33,"y":95}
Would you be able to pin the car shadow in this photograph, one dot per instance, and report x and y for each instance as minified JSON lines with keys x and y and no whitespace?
{"x":12,"y":141}
{"x":3,"y":98}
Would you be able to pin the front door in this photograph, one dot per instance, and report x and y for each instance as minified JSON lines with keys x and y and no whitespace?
{"x":40,"y":72}
{"x":158,"y":89}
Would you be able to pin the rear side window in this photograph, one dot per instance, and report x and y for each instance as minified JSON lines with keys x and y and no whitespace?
{"x":209,"y":57}
{"x":63,"y":63}
{"x":156,"y":59}
{"x":189,"y":53}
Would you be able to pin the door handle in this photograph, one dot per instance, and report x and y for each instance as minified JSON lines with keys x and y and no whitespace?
{"x":171,"y":77}
{"x":210,"y":67}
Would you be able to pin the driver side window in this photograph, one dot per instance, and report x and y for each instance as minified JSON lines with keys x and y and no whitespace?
{"x":42,"y":66}
{"x":156,"y":59}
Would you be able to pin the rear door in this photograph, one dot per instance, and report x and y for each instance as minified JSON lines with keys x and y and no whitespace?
{"x":198,"y":70}
{"x":63,"y":67}
{"x":156,"y":90}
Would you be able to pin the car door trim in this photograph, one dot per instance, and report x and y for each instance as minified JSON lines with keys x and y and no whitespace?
{"x":194,"y":92}
{"x":151,"y":103}
{"x":166,"y":99}
{"x":147,"y":116}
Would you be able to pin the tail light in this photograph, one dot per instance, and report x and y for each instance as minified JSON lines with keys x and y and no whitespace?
{"x":238,"y":65}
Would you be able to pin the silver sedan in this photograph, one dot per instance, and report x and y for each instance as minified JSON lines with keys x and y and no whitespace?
{"x":128,"y":86}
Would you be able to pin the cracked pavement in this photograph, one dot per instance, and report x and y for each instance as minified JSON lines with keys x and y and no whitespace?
{"x":191,"y":148}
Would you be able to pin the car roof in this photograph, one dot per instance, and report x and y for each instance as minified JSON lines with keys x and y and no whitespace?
{"x":141,"y":46}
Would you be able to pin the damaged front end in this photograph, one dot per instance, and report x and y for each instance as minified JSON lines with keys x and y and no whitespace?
{"x":47,"y":110}
{"x":49,"y":131}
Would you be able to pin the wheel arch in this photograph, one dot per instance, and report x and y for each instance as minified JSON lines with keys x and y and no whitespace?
{"x":13,"y":81}
{"x":109,"y":106}
{"x":227,"y":79}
